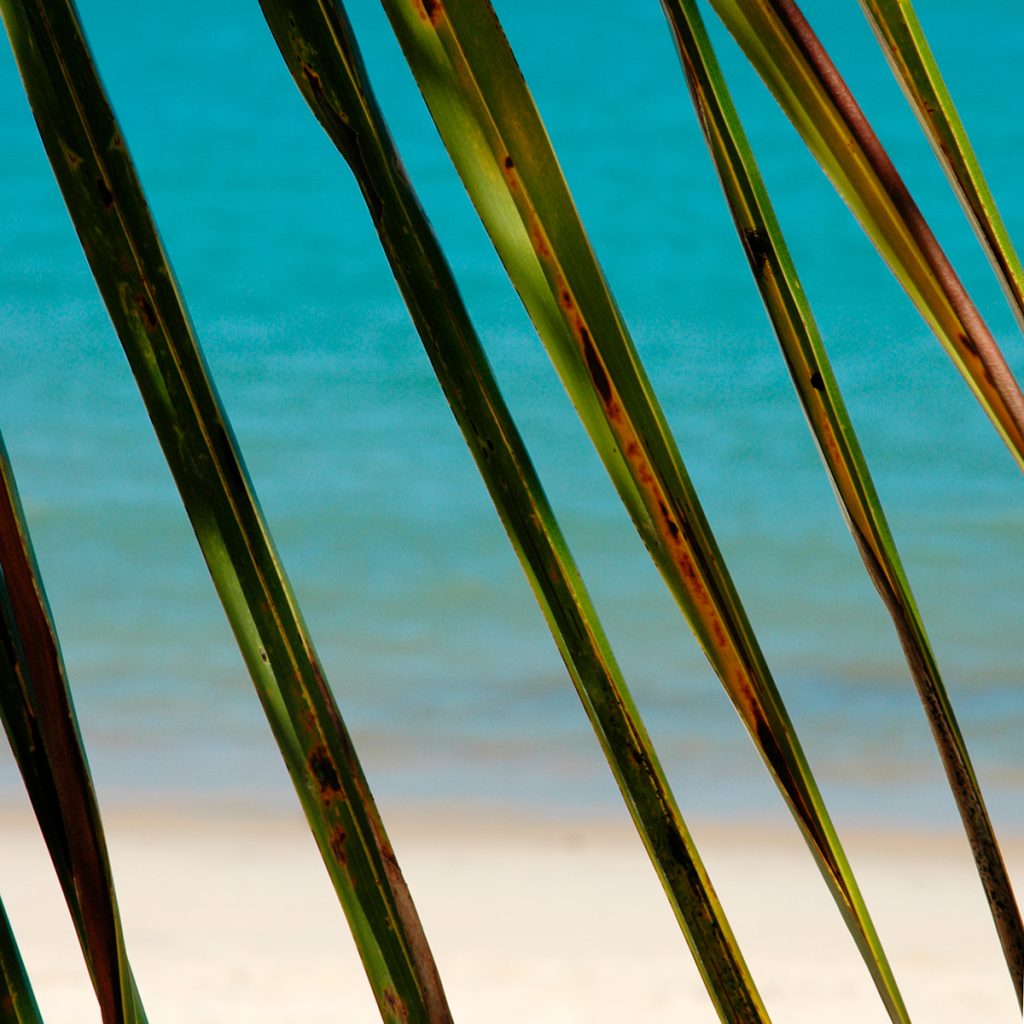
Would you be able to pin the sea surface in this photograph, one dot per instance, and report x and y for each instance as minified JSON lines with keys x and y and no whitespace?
{"x":439,"y":658}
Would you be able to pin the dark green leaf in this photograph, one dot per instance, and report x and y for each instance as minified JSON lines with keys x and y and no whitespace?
{"x":837,"y":442}
{"x":902,"y":38}
{"x":39,"y":719}
{"x":96,"y":175}
{"x":789,"y":57}
{"x":317,"y":44}
{"x":493,"y":132}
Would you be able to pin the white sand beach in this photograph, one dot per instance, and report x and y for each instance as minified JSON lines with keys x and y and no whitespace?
{"x":230,"y":918}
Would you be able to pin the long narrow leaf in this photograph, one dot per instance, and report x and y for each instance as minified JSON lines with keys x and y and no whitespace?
{"x":789,"y":57}
{"x":320,"y":51}
{"x":822,"y":401}
{"x":39,"y":718}
{"x":488,"y":121}
{"x":903,"y":40}
{"x":17,"y":1000}
{"x":106,"y":202}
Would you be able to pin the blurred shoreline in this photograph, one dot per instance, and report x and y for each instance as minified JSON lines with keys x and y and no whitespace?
{"x":229,"y":915}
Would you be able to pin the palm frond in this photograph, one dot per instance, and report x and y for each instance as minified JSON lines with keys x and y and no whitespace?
{"x":840,"y":450}
{"x":786,"y":53}
{"x":494,"y":135}
{"x":17,"y":1000}
{"x":899,"y":31}
{"x":94,"y":170}
{"x":39,"y":718}
{"x":318,"y":46}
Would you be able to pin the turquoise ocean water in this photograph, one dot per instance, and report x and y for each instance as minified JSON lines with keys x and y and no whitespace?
{"x":440,"y":660}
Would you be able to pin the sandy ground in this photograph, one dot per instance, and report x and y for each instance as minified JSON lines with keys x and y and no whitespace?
{"x":229,"y":918}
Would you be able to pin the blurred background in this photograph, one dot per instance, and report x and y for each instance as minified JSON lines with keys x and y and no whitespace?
{"x":437,"y":653}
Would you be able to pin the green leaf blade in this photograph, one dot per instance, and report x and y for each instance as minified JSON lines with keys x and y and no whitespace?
{"x":17,"y":1000}
{"x":40,"y":722}
{"x":782,"y":47}
{"x":316,"y":42}
{"x":108,"y":207}
{"x":903,"y":40}
{"x":840,"y":450}
{"x":494,"y":135}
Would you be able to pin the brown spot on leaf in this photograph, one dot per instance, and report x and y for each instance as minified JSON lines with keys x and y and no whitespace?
{"x":673,"y":526}
{"x":312,"y":78}
{"x":397,"y":1009}
{"x":430,"y":10}
{"x":308,"y":719}
{"x":817,"y":382}
{"x":510,"y":173}
{"x":686,"y":566}
{"x":337,"y":843}
{"x":831,"y":448}
{"x":323,"y":770}
{"x":719,"y":632}
{"x":106,"y":195}
{"x":147,"y":312}
{"x":694,"y":583}
{"x":594,"y":366}
{"x":540,"y":242}
{"x":968,"y":345}
{"x":742,"y":686}
{"x":757,"y":247}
